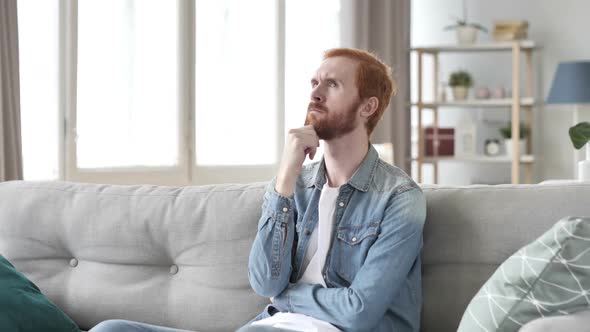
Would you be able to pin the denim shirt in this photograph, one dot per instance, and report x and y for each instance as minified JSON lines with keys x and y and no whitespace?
{"x":373,"y":267}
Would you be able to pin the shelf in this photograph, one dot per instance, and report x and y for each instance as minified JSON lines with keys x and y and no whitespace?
{"x":478,"y":47}
{"x":505,"y":102}
{"x":525,"y":159}
{"x":521,"y":107}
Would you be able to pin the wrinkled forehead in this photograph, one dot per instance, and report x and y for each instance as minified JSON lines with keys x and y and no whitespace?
{"x":339,"y":67}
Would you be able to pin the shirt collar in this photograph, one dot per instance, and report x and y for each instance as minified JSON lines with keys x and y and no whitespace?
{"x":360,"y":180}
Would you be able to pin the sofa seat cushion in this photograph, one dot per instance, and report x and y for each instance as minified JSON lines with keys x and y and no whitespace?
{"x":548,"y":277}
{"x":579,"y":322}
{"x":24,"y":308}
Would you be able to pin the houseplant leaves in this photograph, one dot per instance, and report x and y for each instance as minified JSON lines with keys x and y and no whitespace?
{"x":580,"y":134}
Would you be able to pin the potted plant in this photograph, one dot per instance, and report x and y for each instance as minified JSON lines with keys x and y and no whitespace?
{"x":460,"y":81}
{"x":580,"y":135}
{"x":466,"y":31}
{"x":506,"y":133}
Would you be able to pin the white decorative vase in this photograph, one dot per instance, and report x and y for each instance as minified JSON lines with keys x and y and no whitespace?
{"x":521,"y":146}
{"x":584,"y":166}
{"x":466,"y":35}
{"x":460,"y":92}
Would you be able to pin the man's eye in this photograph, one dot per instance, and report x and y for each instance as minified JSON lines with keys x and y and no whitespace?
{"x":313,"y":84}
{"x":332,"y":84}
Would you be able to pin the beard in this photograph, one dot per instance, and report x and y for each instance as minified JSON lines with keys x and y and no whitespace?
{"x":329,"y":125}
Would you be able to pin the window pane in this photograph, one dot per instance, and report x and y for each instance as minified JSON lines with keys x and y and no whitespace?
{"x":305,"y":18}
{"x":38,"y":61}
{"x":236,"y":85}
{"x":127,"y":112}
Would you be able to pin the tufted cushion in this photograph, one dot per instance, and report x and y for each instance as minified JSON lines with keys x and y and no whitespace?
{"x":24,"y":308}
{"x":162,"y":255}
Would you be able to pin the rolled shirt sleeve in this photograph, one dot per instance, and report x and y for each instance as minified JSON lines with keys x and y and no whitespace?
{"x":269,"y":264}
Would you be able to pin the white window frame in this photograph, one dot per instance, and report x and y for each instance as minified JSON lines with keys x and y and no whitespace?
{"x":187,"y":172}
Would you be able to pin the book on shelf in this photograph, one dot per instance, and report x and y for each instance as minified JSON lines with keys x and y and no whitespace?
{"x":439,"y":142}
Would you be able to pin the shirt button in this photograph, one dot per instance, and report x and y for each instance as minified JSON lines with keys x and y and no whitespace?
{"x":173,"y":269}
{"x":307,"y":231}
{"x":73,"y":262}
{"x":325,"y":276}
{"x":341,"y":204}
{"x":285,"y":209}
{"x":354,"y":239}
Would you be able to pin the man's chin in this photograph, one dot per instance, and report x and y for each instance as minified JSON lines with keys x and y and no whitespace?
{"x":311,"y":120}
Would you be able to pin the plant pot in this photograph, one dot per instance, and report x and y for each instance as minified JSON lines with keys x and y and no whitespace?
{"x":521,"y":146}
{"x":584,"y":166}
{"x":460,"y":92}
{"x":584,"y":170}
{"x":466,"y":35}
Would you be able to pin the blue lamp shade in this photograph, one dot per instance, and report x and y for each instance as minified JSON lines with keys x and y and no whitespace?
{"x":571,"y":84}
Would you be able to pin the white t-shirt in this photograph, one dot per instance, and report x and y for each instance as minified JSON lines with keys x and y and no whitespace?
{"x":319,"y":242}
{"x":313,"y":263}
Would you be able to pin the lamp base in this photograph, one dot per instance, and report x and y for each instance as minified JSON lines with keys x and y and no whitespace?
{"x":584,"y":170}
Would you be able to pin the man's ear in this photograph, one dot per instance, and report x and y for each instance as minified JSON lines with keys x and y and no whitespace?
{"x":369,"y":107}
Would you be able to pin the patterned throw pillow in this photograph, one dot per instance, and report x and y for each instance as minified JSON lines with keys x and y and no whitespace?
{"x":548,"y":277}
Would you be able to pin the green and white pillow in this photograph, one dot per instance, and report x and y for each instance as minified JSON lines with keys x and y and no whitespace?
{"x":548,"y":277}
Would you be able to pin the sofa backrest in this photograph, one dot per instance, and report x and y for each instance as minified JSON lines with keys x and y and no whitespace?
{"x":162,"y":255}
{"x":471,"y":230}
{"x":177,"y":256}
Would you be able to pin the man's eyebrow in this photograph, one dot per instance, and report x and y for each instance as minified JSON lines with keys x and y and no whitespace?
{"x":326,"y":78}
{"x":332,"y":78}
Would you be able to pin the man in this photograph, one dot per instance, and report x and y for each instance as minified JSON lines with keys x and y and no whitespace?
{"x":338,"y":244}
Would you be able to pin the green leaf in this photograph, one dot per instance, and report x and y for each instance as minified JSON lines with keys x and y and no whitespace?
{"x":460,"y":78}
{"x":506,"y":131}
{"x":451,"y":27}
{"x":580,"y":134}
{"x":479,"y":27}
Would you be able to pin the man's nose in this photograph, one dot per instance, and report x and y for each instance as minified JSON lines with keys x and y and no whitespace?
{"x":317,"y":96}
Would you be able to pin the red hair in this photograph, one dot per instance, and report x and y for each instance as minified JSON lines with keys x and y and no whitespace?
{"x":373,"y":79}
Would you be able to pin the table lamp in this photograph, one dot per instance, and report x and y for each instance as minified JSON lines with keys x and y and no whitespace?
{"x":571,"y":86}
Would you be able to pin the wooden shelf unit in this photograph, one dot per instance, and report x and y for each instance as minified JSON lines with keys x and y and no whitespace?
{"x":520,"y":102}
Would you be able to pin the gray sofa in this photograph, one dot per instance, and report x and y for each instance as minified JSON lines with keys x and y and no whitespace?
{"x":177,"y":256}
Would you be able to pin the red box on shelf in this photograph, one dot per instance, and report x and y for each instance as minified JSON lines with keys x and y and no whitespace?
{"x":441,"y":144}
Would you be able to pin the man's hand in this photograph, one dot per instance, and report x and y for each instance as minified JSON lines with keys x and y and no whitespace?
{"x":300,"y":142}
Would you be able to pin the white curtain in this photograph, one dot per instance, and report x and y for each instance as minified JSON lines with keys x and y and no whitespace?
{"x":383,"y":27}
{"x":10,"y":136}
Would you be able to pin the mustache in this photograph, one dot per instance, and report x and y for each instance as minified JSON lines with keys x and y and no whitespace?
{"x":313,"y":105}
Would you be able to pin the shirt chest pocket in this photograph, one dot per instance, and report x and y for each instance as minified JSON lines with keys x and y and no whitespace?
{"x":351,"y":248}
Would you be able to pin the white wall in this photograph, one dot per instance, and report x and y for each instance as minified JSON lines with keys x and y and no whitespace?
{"x":560,"y":27}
